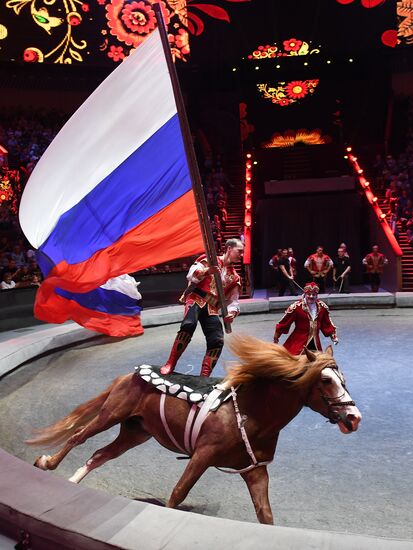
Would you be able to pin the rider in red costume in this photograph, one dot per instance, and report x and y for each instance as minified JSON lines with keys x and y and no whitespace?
{"x":310,"y":315}
{"x":201,"y":304}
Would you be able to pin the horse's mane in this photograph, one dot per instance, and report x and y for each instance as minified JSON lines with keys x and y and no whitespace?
{"x":259,"y":359}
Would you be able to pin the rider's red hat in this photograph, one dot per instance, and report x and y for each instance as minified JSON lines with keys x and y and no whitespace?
{"x":311,"y":287}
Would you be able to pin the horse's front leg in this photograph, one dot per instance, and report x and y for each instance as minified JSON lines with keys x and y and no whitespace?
{"x":257,"y":483}
{"x":196,"y":467}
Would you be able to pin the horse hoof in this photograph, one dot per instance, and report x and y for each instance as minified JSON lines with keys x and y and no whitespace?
{"x":41,"y":462}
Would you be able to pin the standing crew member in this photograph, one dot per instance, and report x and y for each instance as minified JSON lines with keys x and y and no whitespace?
{"x":318,"y":265}
{"x":375,"y":262}
{"x":341,"y":271}
{"x":201,"y":304}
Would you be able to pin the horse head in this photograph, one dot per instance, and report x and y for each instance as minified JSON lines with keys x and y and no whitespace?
{"x":329,"y":396}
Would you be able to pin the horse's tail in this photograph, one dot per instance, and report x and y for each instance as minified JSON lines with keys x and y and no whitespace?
{"x":59,"y":432}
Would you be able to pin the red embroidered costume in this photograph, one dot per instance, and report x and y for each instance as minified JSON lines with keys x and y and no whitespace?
{"x":201,"y":305}
{"x":309,"y":319}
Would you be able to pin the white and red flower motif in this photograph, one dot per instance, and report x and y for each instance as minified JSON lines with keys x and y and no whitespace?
{"x":296,"y":89}
{"x":292,"y":45}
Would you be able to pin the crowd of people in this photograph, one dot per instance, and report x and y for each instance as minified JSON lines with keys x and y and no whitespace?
{"x":319,"y":265}
{"x":26,"y":134}
{"x":18,"y":265}
{"x":216,"y":184}
{"x":393,"y":178}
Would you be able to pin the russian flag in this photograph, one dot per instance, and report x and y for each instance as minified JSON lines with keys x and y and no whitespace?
{"x":110,"y":196}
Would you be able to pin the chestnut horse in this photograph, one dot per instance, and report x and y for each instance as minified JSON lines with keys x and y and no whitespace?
{"x":272,"y":387}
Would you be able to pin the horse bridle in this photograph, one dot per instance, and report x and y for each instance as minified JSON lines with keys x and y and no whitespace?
{"x":333,"y":415}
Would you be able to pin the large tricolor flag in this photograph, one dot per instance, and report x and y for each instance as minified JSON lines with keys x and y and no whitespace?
{"x":111,"y":195}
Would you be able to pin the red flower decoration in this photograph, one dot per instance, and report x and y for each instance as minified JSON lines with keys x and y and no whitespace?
{"x":32,"y":55}
{"x":296,"y":89}
{"x":139,"y":17}
{"x":182,"y":41}
{"x":292,"y":45}
{"x":116,"y":53}
{"x":389,"y":38}
{"x":130,"y":21}
{"x":282,"y":102}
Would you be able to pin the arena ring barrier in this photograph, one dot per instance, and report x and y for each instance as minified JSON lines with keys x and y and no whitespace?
{"x":52,"y":512}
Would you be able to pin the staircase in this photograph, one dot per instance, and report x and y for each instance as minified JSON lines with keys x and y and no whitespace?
{"x":407,"y":258}
{"x":235,"y":209}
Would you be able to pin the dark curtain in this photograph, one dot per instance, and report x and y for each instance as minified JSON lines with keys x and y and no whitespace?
{"x":305,"y":222}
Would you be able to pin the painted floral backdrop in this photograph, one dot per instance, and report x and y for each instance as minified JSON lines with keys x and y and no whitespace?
{"x":68,"y":27}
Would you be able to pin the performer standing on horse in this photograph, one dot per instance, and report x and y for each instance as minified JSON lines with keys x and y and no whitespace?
{"x":201,"y":304}
{"x":310,"y":315}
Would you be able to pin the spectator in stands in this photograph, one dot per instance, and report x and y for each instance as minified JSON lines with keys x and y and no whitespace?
{"x":5,"y":245}
{"x":22,"y":277}
{"x":18,"y":256}
{"x":341,"y":271}
{"x":35,"y":281}
{"x":319,"y":265}
{"x":409,"y":230}
{"x":7,"y":282}
{"x":286,"y":278}
{"x":375,"y":262}
{"x":406,"y":214}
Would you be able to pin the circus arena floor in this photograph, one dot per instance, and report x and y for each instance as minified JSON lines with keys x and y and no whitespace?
{"x":320,"y":478}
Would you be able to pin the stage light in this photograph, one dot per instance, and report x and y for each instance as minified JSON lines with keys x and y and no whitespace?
{"x":366,"y":183}
{"x":249,"y":166}
{"x":350,"y":60}
{"x":278,"y":66}
{"x":256,"y":68}
{"x":382,"y":217}
{"x":234,"y":69}
{"x":255,"y":162}
{"x":328,"y":61}
{"x":248,"y":191}
{"x":360,"y":171}
{"x":249,"y":155}
{"x":346,"y":156}
{"x":374,"y":200}
{"x":306,"y":63}
{"x":348,"y":149}
{"x":354,"y":159}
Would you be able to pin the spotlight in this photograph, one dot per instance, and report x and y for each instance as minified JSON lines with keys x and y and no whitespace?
{"x":256,"y":68}
{"x":382,"y":217}
{"x":305,"y":64}
{"x":350,"y":60}
{"x":328,"y":62}
{"x":366,"y":184}
{"x":348,"y":149}
{"x":346,"y":156}
{"x":278,"y":66}
{"x":234,"y":69}
{"x":248,"y":155}
{"x":374,"y":200}
{"x":255,"y":162}
{"x":360,"y":171}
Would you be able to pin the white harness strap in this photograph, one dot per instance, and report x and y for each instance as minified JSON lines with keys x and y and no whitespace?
{"x":165,"y":423}
{"x":203,"y":413}
{"x":188,"y":427}
{"x":240,"y":423}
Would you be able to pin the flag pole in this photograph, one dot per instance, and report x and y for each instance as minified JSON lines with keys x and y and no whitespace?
{"x":195,"y":176}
